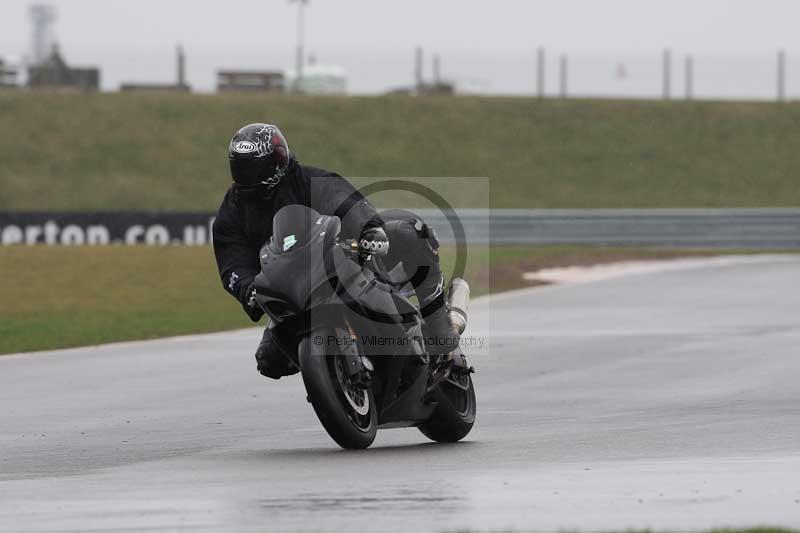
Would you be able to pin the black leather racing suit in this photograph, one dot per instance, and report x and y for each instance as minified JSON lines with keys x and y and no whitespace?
{"x":244,"y":223}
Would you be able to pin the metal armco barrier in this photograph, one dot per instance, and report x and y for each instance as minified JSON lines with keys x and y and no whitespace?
{"x":777,"y":228}
{"x":701,"y":228}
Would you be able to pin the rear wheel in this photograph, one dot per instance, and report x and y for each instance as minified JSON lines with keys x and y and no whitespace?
{"x":346,"y":409}
{"x":455,"y":410}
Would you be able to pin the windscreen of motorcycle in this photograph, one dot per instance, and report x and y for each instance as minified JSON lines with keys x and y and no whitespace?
{"x":293,"y":264}
{"x":294,"y":226}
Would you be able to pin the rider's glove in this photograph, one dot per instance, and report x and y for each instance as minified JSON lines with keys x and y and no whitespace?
{"x":250,"y":305}
{"x":373,"y":240}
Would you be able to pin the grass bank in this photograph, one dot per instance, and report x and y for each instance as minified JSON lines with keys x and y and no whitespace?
{"x":163,"y":151}
{"x":58,"y":297}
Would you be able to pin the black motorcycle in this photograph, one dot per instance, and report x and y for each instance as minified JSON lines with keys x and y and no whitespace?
{"x":361,"y":350}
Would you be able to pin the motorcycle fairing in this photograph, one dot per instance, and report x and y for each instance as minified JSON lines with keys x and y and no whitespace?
{"x":292,"y":274}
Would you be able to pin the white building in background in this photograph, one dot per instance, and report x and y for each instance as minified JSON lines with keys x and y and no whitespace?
{"x":318,"y":79}
{"x":10,"y":73}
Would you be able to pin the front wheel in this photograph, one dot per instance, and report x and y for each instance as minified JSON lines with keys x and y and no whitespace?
{"x":455,"y":410}
{"x":346,"y":410}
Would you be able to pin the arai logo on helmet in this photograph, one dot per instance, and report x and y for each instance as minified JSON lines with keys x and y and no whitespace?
{"x":245,"y":147}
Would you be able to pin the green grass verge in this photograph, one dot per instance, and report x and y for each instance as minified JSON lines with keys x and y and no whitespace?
{"x":58,"y":297}
{"x":115,"y":151}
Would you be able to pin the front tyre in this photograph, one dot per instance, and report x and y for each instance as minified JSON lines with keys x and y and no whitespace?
{"x":455,"y":410}
{"x":347,"y":411}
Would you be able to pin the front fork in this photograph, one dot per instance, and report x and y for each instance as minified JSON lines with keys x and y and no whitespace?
{"x":359,"y":367}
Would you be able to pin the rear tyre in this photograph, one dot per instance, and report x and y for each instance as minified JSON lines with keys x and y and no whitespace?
{"x":347,"y":412}
{"x":455,"y":411}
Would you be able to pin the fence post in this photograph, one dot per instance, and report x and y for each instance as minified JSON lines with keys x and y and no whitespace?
{"x":540,"y":71}
{"x":563,"y":73}
{"x":419,"y":79}
{"x":689,"y":75}
{"x":666,"y":65}
{"x":781,"y":75}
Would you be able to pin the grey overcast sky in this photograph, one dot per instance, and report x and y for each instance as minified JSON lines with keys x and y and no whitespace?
{"x":480,"y":41}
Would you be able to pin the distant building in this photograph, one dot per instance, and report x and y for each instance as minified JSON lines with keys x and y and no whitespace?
{"x":441,"y":87}
{"x":319,"y":79}
{"x":53,"y":72}
{"x":438,"y":86}
{"x":250,"y":81}
{"x":400,"y":91}
{"x":154,"y":87}
{"x":9,"y":75}
{"x":422,"y":87}
{"x":180,"y":84}
{"x":425,"y":89}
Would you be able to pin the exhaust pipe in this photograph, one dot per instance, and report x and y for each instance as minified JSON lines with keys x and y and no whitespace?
{"x":458,"y":301}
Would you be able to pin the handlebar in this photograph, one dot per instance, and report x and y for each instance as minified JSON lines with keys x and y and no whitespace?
{"x":350,"y":246}
{"x":363,"y":247}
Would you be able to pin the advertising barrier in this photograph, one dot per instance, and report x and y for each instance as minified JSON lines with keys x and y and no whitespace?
{"x":104,"y":228}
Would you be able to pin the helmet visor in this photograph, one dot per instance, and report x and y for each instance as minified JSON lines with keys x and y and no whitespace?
{"x":251,"y":171}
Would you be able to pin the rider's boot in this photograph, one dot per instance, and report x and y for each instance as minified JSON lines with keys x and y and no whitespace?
{"x":271,"y":359}
{"x":441,"y":336}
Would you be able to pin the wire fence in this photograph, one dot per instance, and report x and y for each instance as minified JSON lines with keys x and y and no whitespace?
{"x":670,"y":74}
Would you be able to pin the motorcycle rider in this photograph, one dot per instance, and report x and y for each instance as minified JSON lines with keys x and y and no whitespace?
{"x":266,"y":177}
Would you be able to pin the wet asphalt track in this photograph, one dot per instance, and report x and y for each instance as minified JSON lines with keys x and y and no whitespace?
{"x":666,"y":400}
